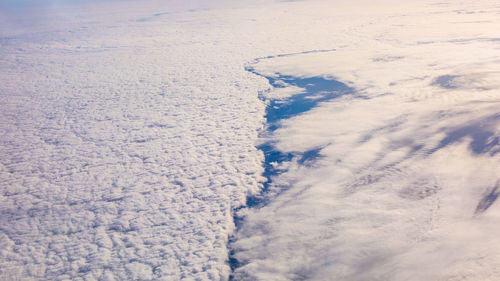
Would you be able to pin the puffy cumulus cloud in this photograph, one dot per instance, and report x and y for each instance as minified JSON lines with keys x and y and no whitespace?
{"x":124,"y":148}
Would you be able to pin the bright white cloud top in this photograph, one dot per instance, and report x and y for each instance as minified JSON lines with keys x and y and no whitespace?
{"x":128,"y":134}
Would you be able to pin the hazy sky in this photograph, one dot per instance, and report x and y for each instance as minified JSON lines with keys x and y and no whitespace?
{"x":19,"y":4}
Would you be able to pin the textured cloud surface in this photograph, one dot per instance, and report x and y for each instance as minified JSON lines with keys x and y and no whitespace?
{"x":124,"y":148}
{"x":406,"y":184}
{"x":128,"y":133}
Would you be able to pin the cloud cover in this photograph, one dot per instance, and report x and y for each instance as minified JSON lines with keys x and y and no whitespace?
{"x":126,"y":143}
{"x":406,"y":185}
{"x":124,"y":148}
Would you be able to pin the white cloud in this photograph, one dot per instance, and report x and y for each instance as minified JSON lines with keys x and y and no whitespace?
{"x":406,"y":161}
{"x":126,"y":143}
{"x":124,"y":149}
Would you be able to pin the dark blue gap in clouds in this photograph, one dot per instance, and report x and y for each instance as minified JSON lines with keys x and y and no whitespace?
{"x":315,"y":91}
{"x":310,"y":155}
{"x":446,"y":81}
{"x":488,"y":200}
{"x":481,"y":134}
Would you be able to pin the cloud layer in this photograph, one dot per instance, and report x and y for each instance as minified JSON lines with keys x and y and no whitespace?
{"x":127,"y":143}
{"x":124,"y":150}
{"x":406,"y":184}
